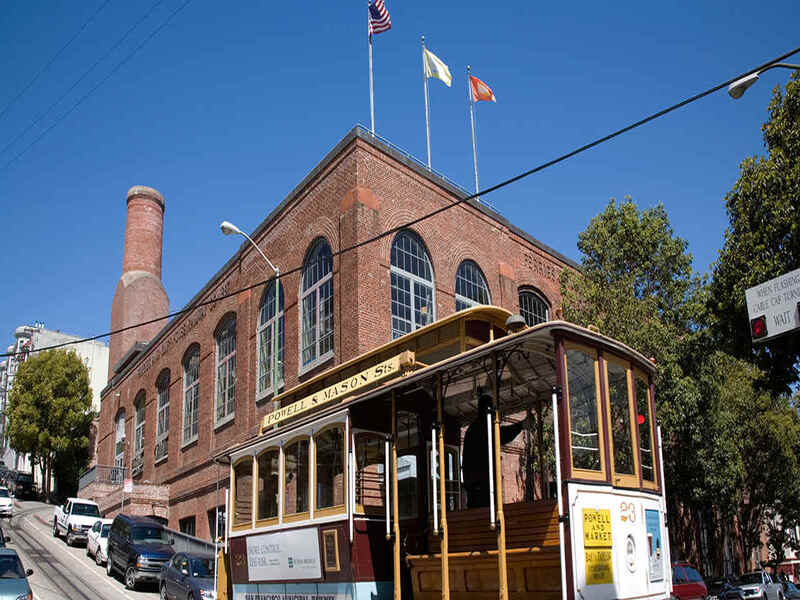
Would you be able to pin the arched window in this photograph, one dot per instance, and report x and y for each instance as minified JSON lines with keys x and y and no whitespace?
{"x":266,"y":337}
{"x":471,"y":287}
{"x":162,"y":420}
{"x":412,"y":284}
{"x":119,"y":447}
{"x":138,"y":435}
{"x":191,"y":394}
{"x":533,"y":307}
{"x":226,"y":370}
{"x":316,"y":301}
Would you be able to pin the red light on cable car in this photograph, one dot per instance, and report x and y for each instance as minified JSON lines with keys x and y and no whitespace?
{"x":758,"y":327}
{"x":640,"y":419}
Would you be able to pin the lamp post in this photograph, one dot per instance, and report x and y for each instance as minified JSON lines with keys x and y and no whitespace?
{"x":738,"y":87}
{"x":230,"y":229}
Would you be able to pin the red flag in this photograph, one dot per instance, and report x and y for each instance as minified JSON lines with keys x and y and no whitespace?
{"x":480,"y":91}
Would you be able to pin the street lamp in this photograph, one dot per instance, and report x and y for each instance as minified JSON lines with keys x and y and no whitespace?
{"x":738,"y":87}
{"x":230,"y":229}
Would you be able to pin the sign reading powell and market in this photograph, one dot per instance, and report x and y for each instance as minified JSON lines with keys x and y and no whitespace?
{"x":358,"y":382}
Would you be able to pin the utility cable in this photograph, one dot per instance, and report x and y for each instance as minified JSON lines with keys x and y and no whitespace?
{"x":54,"y":58}
{"x":80,"y":79}
{"x":116,"y":68}
{"x":433,"y":213}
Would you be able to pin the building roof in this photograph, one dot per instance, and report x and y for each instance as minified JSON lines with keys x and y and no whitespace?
{"x":356,"y":133}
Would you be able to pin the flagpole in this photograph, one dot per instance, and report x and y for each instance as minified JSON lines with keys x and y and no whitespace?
{"x":371,"y":96}
{"x":472,"y":122}
{"x":427,"y":119}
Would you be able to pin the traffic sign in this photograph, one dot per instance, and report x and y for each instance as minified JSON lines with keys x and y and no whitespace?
{"x":774,"y":307}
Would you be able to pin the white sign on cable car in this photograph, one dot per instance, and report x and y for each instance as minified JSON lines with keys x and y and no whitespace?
{"x":774,"y":307}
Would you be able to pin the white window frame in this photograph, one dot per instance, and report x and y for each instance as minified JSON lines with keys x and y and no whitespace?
{"x":466,"y":300}
{"x":314,"y":290}
{"x":265,"y":327}
{"x":140,"y":406}
{"x":191,"y":392}
{"x":225,"y":391}
{"x":537,"y":295}
{"x":162,"y":418}
{"x":413,"y":279}
{"x":119,"y":447}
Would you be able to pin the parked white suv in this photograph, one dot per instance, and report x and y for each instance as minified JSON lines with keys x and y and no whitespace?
{"x":75,"y":519}
{"x":759,"y":586}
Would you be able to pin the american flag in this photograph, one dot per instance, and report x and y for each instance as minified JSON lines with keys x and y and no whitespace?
{"x":379,"y":20}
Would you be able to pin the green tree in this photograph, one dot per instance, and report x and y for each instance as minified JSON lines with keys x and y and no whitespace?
{"x":762,"y":240}
{"x":49,"y":411}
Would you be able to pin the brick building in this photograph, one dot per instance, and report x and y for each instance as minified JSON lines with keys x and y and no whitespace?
{"x":178,"y":396}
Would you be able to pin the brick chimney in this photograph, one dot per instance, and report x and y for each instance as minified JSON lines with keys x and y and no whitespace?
{"x":139,"y":296}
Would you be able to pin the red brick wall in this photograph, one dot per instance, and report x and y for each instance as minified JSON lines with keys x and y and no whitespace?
{"x":356,"y":195}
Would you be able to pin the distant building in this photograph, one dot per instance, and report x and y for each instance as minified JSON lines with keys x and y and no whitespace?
{"x":29,"y":339}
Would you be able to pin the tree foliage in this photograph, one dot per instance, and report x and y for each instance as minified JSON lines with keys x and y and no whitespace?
{"x":763,"y":239}
{"x":49,"y":410}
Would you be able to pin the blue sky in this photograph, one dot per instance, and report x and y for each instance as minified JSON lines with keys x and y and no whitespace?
{"x":230,"y":105}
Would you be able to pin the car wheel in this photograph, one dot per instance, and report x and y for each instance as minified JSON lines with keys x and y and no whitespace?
{"x":130,"y":578}
{"x":109,"y":565}
{"x":55,"y":528}
{"x":163,"y":592}
{"x":98,"y":559}
{"x":70,"y":540}
{"x":89,"y":554}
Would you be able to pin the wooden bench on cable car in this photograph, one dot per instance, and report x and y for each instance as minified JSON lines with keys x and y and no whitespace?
{"x":532,"y":549}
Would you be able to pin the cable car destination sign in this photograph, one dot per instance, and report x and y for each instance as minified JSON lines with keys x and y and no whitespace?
{"x":383,"y":370}
{"x":774,"y":306}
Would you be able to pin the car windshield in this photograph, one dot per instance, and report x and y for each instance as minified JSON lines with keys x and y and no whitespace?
{"x":25,"y":477}
{"x":105,"y":530}
{"x":85,"y":510}
{"x":202,"y":567}
{"x":750,"y":578}
{"x":11,"y":568}
{"x":154,"y":535}
{"x":4,"y":493}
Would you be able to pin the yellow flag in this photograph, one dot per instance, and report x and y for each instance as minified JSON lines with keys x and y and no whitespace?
{"x":434,"y":67}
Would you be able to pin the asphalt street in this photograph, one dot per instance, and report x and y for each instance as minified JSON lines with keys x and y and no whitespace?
{"x":61,"y":572}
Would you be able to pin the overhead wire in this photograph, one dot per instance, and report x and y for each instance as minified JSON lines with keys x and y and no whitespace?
{"x":108,"y":76}
{"x":77,"y":82}
{"x":53,"y":59}
{"x":438,"y":211}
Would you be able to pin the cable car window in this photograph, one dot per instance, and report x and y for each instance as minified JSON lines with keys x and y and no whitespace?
{"x":330,"y":468}
{"x":645,"y":429}
{"x":584,"y":432}
{"x":620,"y":419}
{"x":407,"y":448}
{"x":370,"y":479}
{"x":268,"y":489}
{"x":296,"y":477}
{"x":243,"y":492}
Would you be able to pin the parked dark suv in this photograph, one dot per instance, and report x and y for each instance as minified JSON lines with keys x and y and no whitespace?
{"x":21,"y":485}
{"x":137,"y":547}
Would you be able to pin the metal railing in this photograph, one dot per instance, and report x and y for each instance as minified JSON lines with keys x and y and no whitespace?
{"x":414,"y":159}
{"x":103,"y":474}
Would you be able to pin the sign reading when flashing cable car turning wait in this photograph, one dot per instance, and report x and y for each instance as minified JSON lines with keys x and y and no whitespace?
{"x":774,"y":307}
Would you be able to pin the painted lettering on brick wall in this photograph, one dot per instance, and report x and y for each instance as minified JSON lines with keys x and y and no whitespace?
{"x":187,"y":325}
{"x":541,"y":267}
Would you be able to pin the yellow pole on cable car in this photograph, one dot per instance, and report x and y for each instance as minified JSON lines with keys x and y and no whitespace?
{"x":498,"y":486}
{"x":395,"y":503}
{"x":443,"y":494}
